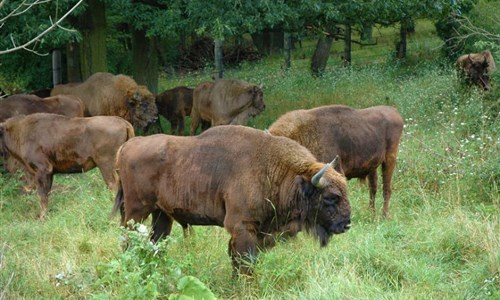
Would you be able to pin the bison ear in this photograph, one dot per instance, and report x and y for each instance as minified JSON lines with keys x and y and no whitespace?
{"x":307,"y":189}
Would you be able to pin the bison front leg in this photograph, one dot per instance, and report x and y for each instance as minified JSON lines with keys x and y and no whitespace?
{"x":161,"y":225}
{"x":242,"y":249}
{"x":372,"y":185}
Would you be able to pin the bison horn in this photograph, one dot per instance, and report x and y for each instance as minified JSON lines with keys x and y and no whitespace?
{"x":316,"y":179}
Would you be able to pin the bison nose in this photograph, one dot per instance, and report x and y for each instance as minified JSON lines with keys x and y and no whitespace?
{"x":341,"y":226}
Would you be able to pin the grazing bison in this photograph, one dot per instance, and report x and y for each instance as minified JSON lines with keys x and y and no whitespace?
{"x":175,"y":104}
{"x":364,"y":139}
{"x":225,"y":102}
{"x":24,"y":104}
{"x":105,"y":94}
{"x":476,"y":68}
{"x":47,"y":144}
{"x":256,"y":186}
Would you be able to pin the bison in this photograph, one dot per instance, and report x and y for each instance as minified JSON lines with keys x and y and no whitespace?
{"x":105,"y":94}
{"x":256,"y":187}
{"x":225,"y":102}
{"x":476,"y":68}
{"x":175,"y":104}
{"x":24,"y":104}
{"x":47,"y":144}
{"x":364,"y":139}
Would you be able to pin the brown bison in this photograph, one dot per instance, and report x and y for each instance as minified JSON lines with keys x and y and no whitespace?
{"x":257,"y":186}
{"x":24,"y":104}
{"x":105,"y":94}
{"x":476,"y":68}
{"x":47,"y":144}
{"x":175,"y":104}
{"x":225,"y":102}
{"x":364,"y":139}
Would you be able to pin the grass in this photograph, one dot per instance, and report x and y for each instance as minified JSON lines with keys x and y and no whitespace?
{"x":442,"y":240}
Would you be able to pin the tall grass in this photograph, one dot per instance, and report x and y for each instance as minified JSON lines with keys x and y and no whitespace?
{"x":442,"y":240}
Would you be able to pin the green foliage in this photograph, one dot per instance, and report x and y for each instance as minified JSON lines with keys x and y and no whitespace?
{"x":144,"y":270}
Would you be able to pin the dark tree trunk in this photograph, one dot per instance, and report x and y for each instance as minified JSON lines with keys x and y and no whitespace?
{"x":367,"y":33}
{"x":321,"y":54}
{"x":347,"y":45}
{"x":287,"y":50}
{"x":73,"y":62}
{"x":219,"y":56}
{"x":268,"y":41}
{"x":93,"y":44}
{"x":145,"y":60}
{"x":401,"y":45}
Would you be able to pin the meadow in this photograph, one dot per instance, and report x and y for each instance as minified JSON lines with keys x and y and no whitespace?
{"x":442,"y":240}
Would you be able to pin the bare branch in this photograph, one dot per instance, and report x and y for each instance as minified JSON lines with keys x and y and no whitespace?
{"x":54,"y":25}
{"x":468,"y":30}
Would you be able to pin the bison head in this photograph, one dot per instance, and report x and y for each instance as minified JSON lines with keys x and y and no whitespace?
{"x":257,"y":97}
{"x":142,"y":107}
{"x":330,"y":212}
{"x":476,"y":68}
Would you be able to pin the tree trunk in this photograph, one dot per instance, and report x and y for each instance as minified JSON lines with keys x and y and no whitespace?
{"x":401,"y":45}
{"x":56,"y":67}
{"x":145,"y":60}
{"x":219,"y":55}
{"x":321,"y":54}
{"x":287,"y":49}
{"x":347,"y":45}
{"x":93,"y":44}
{"x":73,"y":62}
{"x":367,"y":33}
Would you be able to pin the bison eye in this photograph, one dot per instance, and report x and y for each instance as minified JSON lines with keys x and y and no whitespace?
{"x":331,"y":200}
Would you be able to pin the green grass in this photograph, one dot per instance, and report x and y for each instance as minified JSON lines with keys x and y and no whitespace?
{"x":442,"y":240}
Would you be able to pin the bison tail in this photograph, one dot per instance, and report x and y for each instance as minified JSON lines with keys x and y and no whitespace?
{"x":118,"y":201}
{"x":130,"y":132}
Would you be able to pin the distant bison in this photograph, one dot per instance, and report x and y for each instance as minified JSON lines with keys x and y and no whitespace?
{"x":175,"y":104}
{"x":105,"y":94}
{"x":363,"y":138}
{"x":476,"y":68}
{"x":24,"y":104}
{"x":253,"y":184}
{"x":47,"y":144}
{"x":225,"y":102}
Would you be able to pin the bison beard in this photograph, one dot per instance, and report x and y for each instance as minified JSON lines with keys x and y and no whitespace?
{"x":255,"y":195}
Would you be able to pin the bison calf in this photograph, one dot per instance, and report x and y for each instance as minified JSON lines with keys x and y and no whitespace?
{"x":363,"y":138}
{"x":255,"y":186}
{"x":47,"y":144}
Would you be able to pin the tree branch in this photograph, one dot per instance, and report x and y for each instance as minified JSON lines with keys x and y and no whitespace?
{"x":51,"y":27}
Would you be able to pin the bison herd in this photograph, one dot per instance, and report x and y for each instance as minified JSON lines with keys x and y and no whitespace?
{"x":258,"y":185}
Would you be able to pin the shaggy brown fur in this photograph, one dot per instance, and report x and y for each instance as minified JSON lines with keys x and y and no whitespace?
{"x":47,"y":144}
{"x":476,"y":68}
{"x":105,"y":94}
{"x":225,"y":102}
{"x":257,"y":186}
{"x":364,"y":139}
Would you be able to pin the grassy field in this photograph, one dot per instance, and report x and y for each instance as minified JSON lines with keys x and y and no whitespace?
{"x":442,"y":240}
